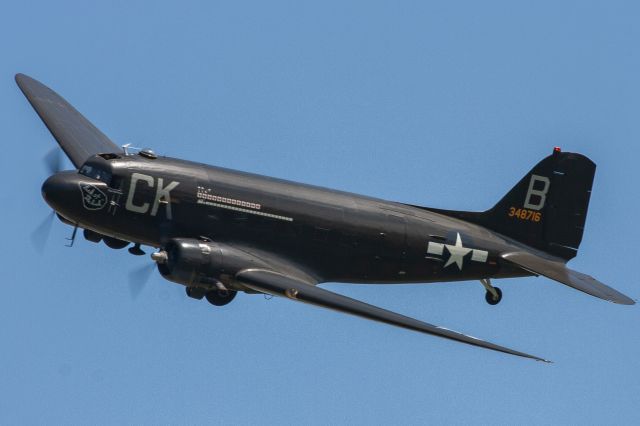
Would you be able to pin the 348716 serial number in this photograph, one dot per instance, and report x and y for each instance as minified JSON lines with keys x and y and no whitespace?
{"x":525,"y":214}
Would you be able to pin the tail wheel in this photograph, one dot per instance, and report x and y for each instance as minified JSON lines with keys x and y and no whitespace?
{"x":220,"y":297}
{"x":491,"y":299}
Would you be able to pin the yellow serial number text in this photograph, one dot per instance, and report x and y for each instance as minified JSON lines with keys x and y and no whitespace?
{"x":525,"y":214}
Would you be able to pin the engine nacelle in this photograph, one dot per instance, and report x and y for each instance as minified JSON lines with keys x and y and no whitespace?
{"x":202,"y":263}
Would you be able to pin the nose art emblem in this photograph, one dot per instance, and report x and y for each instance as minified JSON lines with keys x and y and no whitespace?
{"x":92,"y":197}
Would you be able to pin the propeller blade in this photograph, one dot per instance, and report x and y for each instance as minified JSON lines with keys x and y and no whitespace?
{"x":138,"y":278}
{"x":53,"y":161}
{"x":40,"y":235}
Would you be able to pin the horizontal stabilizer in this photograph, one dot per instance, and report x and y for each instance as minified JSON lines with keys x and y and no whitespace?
{"x":557,"y":271}
{"x":269,"y":282}
{"x":78,"y":138}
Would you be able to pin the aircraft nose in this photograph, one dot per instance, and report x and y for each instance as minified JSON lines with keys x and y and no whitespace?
{"x":49,"y":188}
{"x":56,"y":188}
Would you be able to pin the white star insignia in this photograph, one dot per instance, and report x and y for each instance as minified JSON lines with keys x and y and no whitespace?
{"x":457,"y":252}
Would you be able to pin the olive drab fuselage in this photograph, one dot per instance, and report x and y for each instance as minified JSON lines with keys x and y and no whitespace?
{"x":336,"y":236}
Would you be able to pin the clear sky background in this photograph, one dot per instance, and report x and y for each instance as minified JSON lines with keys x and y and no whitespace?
{"x":443,"y":104}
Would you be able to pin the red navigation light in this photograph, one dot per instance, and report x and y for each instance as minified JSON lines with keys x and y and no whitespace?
{"x":557,"y":149}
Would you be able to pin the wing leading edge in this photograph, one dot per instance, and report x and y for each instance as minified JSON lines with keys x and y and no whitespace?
{"x":557,"y":271}
{"x":78,"y":138}
{"x":277,"y":284}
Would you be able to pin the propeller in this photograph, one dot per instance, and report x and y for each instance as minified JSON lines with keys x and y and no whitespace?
{"x":40,"y":235}
{"x":53,"y":161}
{"x":138,"y":278}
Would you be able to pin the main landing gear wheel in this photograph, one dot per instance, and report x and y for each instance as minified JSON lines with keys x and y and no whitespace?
{"x":220,"y":297}
{"x":196,"y":293}
{"x":491,"y":299}
{"x":494,"y":294}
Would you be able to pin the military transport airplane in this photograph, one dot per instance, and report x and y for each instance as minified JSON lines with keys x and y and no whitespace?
{"x":219,"y":231}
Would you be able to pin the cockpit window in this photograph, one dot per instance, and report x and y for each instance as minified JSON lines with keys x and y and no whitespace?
{"x":95,"y":173}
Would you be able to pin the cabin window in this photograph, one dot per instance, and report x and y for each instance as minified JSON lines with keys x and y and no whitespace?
{"x":96,"y":173}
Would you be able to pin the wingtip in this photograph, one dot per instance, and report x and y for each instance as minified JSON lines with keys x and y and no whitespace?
{"x":23,"y":80}
{"x":624,"y":300}
{"x":29,"y":84}
{"x":537,"y":358}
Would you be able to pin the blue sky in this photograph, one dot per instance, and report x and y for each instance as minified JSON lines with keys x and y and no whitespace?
{"x":443,"y":104}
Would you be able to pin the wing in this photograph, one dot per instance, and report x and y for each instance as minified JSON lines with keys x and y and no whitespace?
{"x":78,"y":138}
{"x":557,"y":271}
{"x":277,"y":284}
